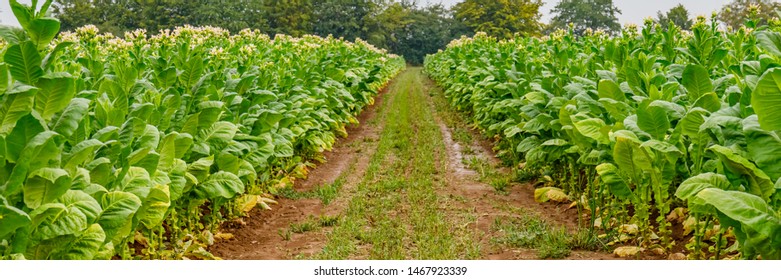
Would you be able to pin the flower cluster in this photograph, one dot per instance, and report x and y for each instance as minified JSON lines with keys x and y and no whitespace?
{"x":631,"y":30}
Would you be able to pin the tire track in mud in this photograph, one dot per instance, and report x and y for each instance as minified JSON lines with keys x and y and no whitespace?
{"x":478,"y":205}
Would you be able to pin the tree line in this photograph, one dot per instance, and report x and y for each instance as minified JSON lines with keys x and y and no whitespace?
{"x":403,"y":27}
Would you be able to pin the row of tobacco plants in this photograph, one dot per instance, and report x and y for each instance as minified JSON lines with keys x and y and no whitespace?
{"x":139,"y":147}
{"x":667,"y":139}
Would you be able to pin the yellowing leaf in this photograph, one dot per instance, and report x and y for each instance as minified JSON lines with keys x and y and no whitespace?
{"x":246,"y":203}
{"x":223,"y":236}
{"x":550,"y":194}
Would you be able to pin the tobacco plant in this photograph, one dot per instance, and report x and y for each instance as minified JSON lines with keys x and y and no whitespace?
{"x":646,"y":130}
{"x":140,"y":147}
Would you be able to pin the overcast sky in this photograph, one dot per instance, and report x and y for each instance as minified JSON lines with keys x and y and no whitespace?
{"x":633,"y":11}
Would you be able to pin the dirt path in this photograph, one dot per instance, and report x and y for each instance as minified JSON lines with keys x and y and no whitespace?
{"x":265,"y":234}
{"x":411,"y":182}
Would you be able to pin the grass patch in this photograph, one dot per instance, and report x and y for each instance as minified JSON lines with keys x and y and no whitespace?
{"x":326,"y":193}
{"x":285,"y":234}
{"x":395,"y":211}
{"x":531,"y":232}
{"x":305,"y":226}
{"x":329,"y":221}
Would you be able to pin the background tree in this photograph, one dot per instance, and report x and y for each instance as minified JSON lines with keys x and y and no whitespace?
{"x":232,"y":15}
{"x":384,"y":27}
{"x":403,"y":27}
{"x":501,"y":18}
{"x":429,"y":29}
{"x":678,"y":15}
{"x":109,"y":16}
{"x":291,"y":17}
{"x":584,"y":14}
{"x":737,"y":12}
{"x":343,"y":18}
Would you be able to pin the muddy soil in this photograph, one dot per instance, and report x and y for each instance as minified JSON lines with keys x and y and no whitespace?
{"x":471,"y":196}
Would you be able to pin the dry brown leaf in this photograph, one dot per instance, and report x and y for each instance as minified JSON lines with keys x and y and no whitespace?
{"x":631,"y":229}
{"x":688,"y":225}
{"x":627,"y":251}
{"x":678,"y":257}
{"x":658,"y":251}
{"x":678,"y":215}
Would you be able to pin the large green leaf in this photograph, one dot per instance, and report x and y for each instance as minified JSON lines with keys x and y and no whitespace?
{"x":750,"y":210}
{"x":697,"y":81}
{"x":81,"y":153}
{"x":770,"y":42}
{"x":609,"y":89}
{"x":11,"y":219}
{"x":23,"y":13}
{"x":26,"y":128}
{"x":593,"y":128}
{"x":24,"y":62}
{"x":766,"y":100}
{"x":45,"y":185}
{"x":86,"y":245}
{"x":759,"y":183}
{"x":56,"y":219}
{"x":177,"y":175}
{"x":54,"y":95}
{"x":43,"y":30}
{"x":16,"y":103}
{"x":200,"y":168}
{"x":167,"y":151}
{"x":137,"y":181}
{"x":149,"y":138}
{"x":764,"y":148}
{"x":118,"y":211}
{"x":193,"y":70}
{"x":709,"y":101}
{"x":219,"y":134}
{"x":12,"y":35}
{"x":154,"y":207}
{"x":69,"y":120}
{"x":220,"y":185}
{"x":77,"y":200}
{"x":617,"y":110}
{"x":629,"y":156}
{"x":654,"y":120}
{"x":692,"y":186}
{"x":5,"y":79}
{"x":691,"y":122}
{"x":608,"y":173}
{"x":43,"y":149}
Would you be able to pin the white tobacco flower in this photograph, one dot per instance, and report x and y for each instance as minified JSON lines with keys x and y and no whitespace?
{"x":218,"y":53}
{"x":87,"y":31}
{"x":248,"y":49}
{"x":138,"y":34}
